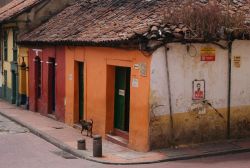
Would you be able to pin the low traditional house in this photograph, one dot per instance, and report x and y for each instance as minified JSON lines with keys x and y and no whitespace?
{"x":17,"y":17}
{"x":145,"y":82}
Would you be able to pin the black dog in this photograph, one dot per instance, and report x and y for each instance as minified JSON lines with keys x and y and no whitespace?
{"x":86,"y":125}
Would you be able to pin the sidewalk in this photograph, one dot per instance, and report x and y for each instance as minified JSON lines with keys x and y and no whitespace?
{"x":65,"y":137}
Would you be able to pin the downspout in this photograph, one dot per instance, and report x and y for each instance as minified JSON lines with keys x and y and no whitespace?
{"x":1,"y":48}
{"x":169,"y":97}
{"x":229,"y":89}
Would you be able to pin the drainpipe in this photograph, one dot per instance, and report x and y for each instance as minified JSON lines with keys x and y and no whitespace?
{"x":229,"y":89}
{"x":169,"y":96}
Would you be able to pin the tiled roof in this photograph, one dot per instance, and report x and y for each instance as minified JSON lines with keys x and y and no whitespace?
{"x":16,"y":7}
{"x":104,"y":21}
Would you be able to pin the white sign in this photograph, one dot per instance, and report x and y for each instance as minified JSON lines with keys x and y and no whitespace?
{"x":37,"y":51}
{"x":137,"y":66}
{"x":121,"y":92}
{"x":135,"y":83}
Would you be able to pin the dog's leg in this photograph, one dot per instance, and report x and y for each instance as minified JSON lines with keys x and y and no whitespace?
{"x":81,"y":130}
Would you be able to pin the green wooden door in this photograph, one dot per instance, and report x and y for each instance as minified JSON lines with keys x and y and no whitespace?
{"x":122,"y":78}
{"x":81,"y":89}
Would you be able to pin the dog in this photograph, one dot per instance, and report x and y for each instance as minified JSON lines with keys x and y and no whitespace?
{"x":87,"y":126}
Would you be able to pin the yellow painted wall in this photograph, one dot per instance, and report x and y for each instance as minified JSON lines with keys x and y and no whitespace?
{"x":98,"y":106}
{"x":6,"y":64}
{"x":23,"y":74}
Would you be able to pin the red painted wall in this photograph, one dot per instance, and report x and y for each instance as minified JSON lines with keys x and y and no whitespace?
{"x":42,"y":104}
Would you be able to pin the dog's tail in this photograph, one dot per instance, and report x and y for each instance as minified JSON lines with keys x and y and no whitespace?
{"x":91,"y":121}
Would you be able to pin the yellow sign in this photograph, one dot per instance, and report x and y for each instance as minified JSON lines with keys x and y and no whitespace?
{"x":237,"y":61}
{"x":208,"y":54}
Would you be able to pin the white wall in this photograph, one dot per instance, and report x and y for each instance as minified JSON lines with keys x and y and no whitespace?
{"x":183,"y":70}
{"x":241,"y":76}
{"x":159,"y":85}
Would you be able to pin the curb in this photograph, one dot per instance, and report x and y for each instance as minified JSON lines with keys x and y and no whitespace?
{"x":81,"y":155}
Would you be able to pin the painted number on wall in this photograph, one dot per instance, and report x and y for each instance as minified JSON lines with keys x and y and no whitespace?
{"x":237,"y":61}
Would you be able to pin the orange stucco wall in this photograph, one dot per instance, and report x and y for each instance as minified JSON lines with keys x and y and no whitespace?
{"x":99,"y":66}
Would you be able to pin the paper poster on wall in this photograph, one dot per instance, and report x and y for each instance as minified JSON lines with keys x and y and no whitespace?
{"x":143,"y":69}
{"x":198,"y":89}
{"x":135,"y":83}
{"x":208,"y":54}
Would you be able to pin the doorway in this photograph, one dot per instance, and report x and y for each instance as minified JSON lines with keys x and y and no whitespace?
{"x":5,"y":84}
{"x":14,"y":87}
{"x":122,"y":100}
{"x":81,"y":90}
{"x":52,"y":82}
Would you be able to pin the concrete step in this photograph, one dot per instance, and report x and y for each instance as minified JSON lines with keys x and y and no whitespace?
{"x":117,"y":140}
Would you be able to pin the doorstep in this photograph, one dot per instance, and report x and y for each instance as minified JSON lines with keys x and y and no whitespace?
{"x":117,"y":140}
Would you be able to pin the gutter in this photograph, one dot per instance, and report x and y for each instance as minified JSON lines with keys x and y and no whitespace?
{"x":1,"y":49}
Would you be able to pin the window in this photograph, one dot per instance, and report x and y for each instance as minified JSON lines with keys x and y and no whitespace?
{"x":14,"y":45}
{"x":5,"y":45}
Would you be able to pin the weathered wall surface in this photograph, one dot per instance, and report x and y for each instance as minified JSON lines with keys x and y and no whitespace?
{"x":240,"y":126}
{"x":195,"y":121}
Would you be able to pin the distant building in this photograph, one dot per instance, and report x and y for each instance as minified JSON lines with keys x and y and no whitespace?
{"x":4,"y":2}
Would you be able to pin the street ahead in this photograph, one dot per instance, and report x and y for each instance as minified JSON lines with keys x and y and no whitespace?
{"x":21,"y":149}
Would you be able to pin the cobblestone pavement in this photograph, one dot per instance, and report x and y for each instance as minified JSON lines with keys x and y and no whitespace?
{"x":9,"y":127}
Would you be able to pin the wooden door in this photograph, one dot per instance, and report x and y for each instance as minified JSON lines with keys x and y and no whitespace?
{"x":122,"y":98}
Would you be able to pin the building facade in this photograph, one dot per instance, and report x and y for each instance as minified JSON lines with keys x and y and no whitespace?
{"x":46,"y":82}
{"x":145,"y":85}
{"x":23,"y":17}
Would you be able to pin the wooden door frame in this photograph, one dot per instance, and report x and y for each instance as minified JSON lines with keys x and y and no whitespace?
{"x":76,"y":116}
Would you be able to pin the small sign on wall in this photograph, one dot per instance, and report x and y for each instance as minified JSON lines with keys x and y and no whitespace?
{"x":143,"y":69}
{"x":135,"y":83}
{"x":237,"y":61}
{"x":121,"y":92}
{"x":208,"y":54}
{"x":198,"y":89}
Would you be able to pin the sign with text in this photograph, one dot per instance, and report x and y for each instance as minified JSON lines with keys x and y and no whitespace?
{"x":208,"y":54}
{"x":237,"y":61}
